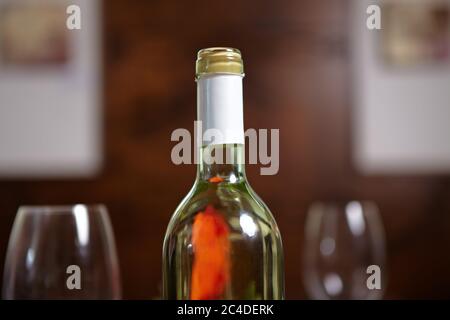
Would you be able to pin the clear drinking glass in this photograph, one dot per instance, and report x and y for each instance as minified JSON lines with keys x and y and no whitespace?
{"x":342,"y":241}
{"x":61,"y":252}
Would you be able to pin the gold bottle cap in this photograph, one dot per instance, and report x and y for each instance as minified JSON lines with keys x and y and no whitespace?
{"x":219,"y":60}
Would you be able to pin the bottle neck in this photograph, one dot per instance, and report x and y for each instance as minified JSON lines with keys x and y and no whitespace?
{"x":220,"y":114}
{"x":222,"y":162}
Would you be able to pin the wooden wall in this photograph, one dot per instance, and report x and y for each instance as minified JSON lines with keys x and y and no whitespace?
{"x":298,"y":79}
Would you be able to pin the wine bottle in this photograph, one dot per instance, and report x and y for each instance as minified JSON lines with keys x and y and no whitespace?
{"x":222,"y":242}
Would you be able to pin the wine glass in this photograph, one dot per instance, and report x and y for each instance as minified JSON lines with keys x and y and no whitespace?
{"x":344,"y":254}
{"x":61,"y":252}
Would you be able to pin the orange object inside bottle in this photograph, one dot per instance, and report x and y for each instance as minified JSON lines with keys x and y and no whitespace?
{"x":211,"y":268}
{"x":216,"y":179}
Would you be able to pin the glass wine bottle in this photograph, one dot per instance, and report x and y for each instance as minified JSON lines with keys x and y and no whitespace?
{"x":222,"y":242}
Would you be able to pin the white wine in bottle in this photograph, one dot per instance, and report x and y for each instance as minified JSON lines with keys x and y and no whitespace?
{"x":222,"y":242}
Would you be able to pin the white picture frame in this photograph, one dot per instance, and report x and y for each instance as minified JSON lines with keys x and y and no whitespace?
{"x":50,"y":102}
{"x":400,"y":113}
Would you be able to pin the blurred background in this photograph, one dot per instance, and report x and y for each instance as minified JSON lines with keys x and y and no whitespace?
{"x":86,"y":117}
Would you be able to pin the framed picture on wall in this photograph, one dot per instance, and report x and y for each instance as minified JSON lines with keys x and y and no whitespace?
{"x":401,"y":85}
{"x":50,"y":90}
